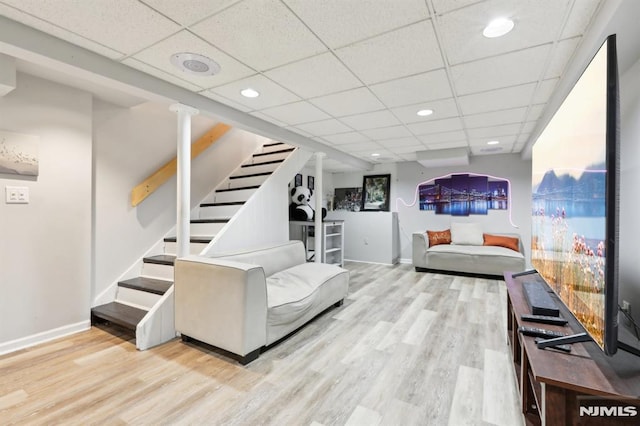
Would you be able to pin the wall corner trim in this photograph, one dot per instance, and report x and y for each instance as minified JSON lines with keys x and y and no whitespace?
{"x":43,"y":337}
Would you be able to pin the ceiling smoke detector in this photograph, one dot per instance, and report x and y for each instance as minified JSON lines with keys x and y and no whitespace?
{"x":195,"y":64}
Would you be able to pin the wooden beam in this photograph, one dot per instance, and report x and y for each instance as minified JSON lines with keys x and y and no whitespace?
{"x":164,"y":173}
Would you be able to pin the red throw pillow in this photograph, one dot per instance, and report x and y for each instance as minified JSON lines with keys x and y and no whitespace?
{"x":439,"y":237}
{"x":501,"y":241}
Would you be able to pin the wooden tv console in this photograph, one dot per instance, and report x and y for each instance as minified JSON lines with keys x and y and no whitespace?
{"x":553,"y":384}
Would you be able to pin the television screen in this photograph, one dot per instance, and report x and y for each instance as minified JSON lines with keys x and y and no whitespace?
{"x":574,"y":203}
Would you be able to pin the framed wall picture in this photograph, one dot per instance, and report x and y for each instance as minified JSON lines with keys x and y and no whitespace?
{"x":297,"y":180}
{"x":311,"y":183}
{"x":375,"y":193}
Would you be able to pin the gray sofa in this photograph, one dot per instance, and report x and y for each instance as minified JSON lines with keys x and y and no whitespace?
{"x":241,"y":302}
{"x":471,"y":259}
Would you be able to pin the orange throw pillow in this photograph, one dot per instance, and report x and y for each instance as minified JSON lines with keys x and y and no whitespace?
{"x":501,"y":241}
{"x":439,"y":237}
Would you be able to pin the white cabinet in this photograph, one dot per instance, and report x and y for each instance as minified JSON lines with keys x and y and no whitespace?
{"x":332,"y":237}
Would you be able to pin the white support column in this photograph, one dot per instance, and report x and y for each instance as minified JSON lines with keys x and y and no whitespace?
{"x":183,"y":220}
{"x":319,"y":234}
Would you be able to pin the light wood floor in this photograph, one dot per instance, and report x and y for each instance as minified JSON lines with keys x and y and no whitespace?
{"x":406,"y":348}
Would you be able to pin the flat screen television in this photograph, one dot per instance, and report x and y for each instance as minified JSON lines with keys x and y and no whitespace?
{"x":575,"y":173}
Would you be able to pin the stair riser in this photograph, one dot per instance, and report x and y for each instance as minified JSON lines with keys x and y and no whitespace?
{"x":137,"y":297}
{"x":161,"y":272}
{"x":228,"y":197}
{"x":206,"y":228}
{"x":268,"y":157}
{"x":256,"y":169}
{"x":274,"y":148}
{"x":218,"y":212}
{"x":245,"y":181}
{"x":194,"y":248}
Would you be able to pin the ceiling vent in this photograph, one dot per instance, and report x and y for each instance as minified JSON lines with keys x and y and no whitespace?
{"x":443,"y":157}
{"x":195,"y":64}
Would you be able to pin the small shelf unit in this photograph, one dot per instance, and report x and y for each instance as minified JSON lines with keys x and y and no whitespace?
{"x":332,"y":237}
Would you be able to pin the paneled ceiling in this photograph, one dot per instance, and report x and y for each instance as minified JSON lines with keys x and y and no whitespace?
{"x":350,"y":74}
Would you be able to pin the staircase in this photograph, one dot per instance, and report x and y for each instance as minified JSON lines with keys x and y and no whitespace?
{"x":144,"y":304}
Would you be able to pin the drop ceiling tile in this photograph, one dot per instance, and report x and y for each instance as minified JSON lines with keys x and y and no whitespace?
{"x":580,"y":17}
{"x":436,"y":126}
{"x":536,"y":22}
{"x":523,"y":138}
{"x":58,"y":32}
{"x":545,"y":90}
{"x":125,"y":26}
{"x":495,"y":132}
{"x":495,"y":118}
{"x":387,"y":133}
{"x":361,"y":146}
{"x":410,"y":156}
{"x":326,"y":127}
{"x":406,"y":149}
{"x":298,"y":131}
{"x":265,"y":117}
{"x":443,"y":108}
{"x":271,"y":94}
{"x":371,"y":120}
{"x":339,"y":22}
{"x":409,"y":50}
{"x":415,"y":89}
{"x":225,"y":101}
{"x":447,"y":145}
{"x":535,"y":111}
{"x":455,"y":136}
{"x":398,"y":142}
{"x":265,"y":34}
{"x":296,"y":113}
{"x":495,"y":100}
{"x":342,"y":138}
{"x":158,"y":56}
{"x":310,"y":77}
{"x":443,"y":6}
{"x":350,"y":102}
{"x":561,"y":56}
{"x":141,"y":66}
{"x":188,"y":13}
{"x":528,"y":127}
{"x":510,"y":69}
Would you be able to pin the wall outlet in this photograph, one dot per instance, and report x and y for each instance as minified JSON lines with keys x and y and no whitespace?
{"x":17,"y":195}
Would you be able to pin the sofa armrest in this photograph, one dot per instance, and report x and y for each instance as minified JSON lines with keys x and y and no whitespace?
{"x":221,"y":302}
{"x":420,"y":246}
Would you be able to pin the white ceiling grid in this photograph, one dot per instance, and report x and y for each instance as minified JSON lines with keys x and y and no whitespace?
{"x":350,"y":74}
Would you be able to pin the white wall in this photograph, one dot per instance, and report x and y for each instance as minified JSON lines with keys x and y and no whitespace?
{"x":129,"y":145}
{"x":406,"y":176}
{"x":45,"y":246}
{"x":629,"y":193}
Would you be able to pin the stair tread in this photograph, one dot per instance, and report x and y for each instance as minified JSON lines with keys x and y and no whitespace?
{"x":119,"y":313}
{"x":150,"y":285}
{"x":226,"y":203}
{"x":281,"y":151}
{"x":264,"y":163}
{"x":241,"y":188}
{"x":160,"y":259}
{"x":225,"y":220}
{"x":250,"y":175}
{"x":272,"y":144}
{"x":205,"y":240}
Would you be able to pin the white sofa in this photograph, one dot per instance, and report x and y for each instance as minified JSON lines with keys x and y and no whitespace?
{"x":241,"y":302}
{"x":468,"y":254}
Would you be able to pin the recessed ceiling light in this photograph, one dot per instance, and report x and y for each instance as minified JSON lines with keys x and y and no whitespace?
{"x":375,"y":154}
{"x":424,"y":112}
{"x":493,"y":142}
{"x":249,"y":93}
{"x":195,"y":64}
{"x":498,"y":28}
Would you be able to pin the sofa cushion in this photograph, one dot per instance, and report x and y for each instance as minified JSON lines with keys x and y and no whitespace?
{"x":501,"y":241}
{"x":466,"y":234}
{"x":439,"y":237}
{"x":488,"y":251}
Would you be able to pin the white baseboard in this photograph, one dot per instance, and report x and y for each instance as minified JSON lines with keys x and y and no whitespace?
{"x":366,"y":261}
{"x":45,"y":336}
{"x":406,"y":261}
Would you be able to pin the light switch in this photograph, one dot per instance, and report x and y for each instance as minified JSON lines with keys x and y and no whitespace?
{"x":17,"y":195}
